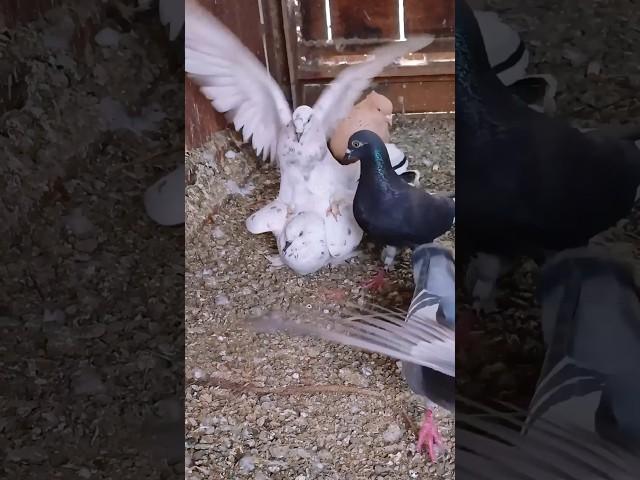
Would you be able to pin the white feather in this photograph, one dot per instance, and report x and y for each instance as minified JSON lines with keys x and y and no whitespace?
{"x":338,"y":98}
{"x":234,"y":80}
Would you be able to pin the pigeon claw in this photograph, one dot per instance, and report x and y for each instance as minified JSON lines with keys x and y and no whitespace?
{"x":429,"y":437}
{"x":334,"y":210}
{"x":376,"y":283}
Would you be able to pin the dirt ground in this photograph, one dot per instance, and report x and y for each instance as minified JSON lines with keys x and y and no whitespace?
{"x":91,"y":346}
{"x":258,"y":406}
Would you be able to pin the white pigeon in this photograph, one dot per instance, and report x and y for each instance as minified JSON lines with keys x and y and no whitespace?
{"x":309,"y":241}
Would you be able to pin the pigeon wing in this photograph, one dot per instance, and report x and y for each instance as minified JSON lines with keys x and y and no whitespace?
{"x":233,"y":79}
{"x":338,"y":98}
{"x":379,"y":329}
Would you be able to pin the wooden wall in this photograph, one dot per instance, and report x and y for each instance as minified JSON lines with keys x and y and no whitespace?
{"x":356,"y":27}
{"x":302,"y":59}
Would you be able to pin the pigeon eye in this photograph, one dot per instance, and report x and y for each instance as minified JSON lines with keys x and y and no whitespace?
{"x":356,"y":144}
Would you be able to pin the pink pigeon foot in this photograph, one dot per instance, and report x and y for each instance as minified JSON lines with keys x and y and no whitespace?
{"x":376,"y":283}
{"x":429,"y":437}
{"x":334,"y":210}
{"x":334,"y":295}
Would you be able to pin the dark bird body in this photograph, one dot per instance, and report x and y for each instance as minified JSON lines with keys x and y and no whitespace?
{"x":529,"y":182}
{"x":390,"y":210}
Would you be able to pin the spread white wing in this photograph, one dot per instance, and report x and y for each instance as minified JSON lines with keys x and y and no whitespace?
{"x":172,"y":13}
{"x":234,"y":80}
{"x":338,"y":98}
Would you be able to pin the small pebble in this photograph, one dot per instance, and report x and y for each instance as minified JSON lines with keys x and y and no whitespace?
{"x":392,"y":434}
{"x":247,"y":463}
{"x":222,"y":300}
{"x":107,"y":37}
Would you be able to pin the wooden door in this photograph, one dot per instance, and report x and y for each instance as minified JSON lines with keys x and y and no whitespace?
{"x":322,"y":36}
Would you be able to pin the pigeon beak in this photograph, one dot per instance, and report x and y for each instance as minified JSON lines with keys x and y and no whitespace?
{"x":287,"y":244}
{"x":298,"y":136}
{"x":348,"y":158}
{"x":389,"y":118}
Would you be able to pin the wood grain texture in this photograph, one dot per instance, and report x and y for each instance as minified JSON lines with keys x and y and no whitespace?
{"x":429,"y":16}
{"x":364,"y":19}
{"x":311,"y":18}
{"x":369,"y":24}
{"x":420,"y":94}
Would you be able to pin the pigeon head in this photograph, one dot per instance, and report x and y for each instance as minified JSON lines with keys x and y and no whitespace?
{"x":366,"y":145}
{"x":302,"y":243}
{"x":382,"y":104}
{"x":303,"y":121}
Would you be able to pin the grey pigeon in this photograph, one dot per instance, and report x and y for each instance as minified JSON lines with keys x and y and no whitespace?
{"x":490,"y":447}
{"x":424,"y":340}
{"x":531,"y":184}
{"x":591,"y":327}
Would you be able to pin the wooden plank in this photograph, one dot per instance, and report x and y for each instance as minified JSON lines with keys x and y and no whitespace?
{"x":310,"y":16}
{"x":429,"y":16}
{"x":418,"y":94}
{"x":201,"y":121}
{"x":242,"y":17}
{"x":325,"y":62}
{"x":364,"y":19}
{"x":276,"y":45}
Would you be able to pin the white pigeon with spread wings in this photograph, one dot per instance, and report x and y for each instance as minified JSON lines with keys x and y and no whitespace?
{"x":239,"y":86}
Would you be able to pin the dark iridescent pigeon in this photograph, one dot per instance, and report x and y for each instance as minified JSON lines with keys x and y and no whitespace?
{"x":390,"y":210}
{"x":529,"y":184}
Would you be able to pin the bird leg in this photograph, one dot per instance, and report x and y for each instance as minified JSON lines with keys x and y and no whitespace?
{"x":377,"y":282}
{"x":388,"y":256}
{"x":481,"y":277}
{"x":334,"y":209}
{"x":429,"y":436}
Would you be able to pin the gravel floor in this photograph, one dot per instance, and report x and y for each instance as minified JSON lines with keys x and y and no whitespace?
{"x":87,"y":312}
{"x":596,"y":64}
{"x":258,"y":406}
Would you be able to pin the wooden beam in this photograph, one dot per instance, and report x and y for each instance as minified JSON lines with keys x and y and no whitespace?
{"x":415,"y":94}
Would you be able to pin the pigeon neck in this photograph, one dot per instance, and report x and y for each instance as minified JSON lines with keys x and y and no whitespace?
{"x":379,"y":165}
